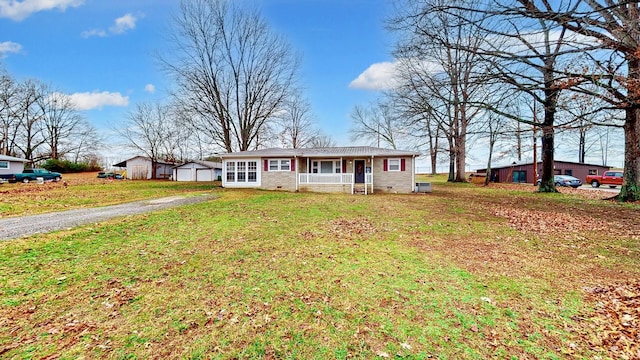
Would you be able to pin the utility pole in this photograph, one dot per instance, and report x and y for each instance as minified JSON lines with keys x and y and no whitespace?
{"x":535,"y":146}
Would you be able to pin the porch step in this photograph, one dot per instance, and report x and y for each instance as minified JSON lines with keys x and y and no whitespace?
{"x":359,"y":189}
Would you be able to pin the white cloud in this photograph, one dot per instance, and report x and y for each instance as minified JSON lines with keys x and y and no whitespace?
{"x":384,"y":75}
{"x":19,"y":10}
{"x":96,"y":100}
{"x":94,"y":32}
{"x":120,"y":26}
{"x":150,"y":88}
{"x":123,"y":23}
{"x":9,"y":47}
{"x":379,"y":76}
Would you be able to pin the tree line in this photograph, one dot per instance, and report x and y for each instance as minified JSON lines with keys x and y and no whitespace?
{"x":235,"y":88}
{"x":498,"y":69}
{"x":468,"y":72}
{"x":38,"y":123}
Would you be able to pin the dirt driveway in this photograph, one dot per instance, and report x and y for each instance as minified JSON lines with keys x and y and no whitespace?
{"x":28,"y":225}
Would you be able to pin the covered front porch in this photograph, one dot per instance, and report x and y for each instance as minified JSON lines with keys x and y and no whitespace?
{"x":352,"y":175}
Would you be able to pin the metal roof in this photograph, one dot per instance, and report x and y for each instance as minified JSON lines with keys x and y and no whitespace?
{"x":208,"y":164}
{"x":11,"y":158}
{"x":124,"y":163}
{"x":347,"y":151}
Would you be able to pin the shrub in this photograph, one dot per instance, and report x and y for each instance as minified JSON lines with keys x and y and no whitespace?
{"x":66,"y":166}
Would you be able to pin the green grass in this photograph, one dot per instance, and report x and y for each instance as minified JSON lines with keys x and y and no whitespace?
{"x":84,"y":190}
{"x":256,"y":274}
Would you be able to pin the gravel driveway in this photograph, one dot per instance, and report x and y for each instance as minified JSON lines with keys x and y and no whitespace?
{"x":34,"y":224}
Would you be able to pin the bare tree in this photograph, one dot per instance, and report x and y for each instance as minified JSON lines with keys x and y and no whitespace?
{"x":377,"y":124}
{"x":29,"y":114}
{"x":580,"y":127}
{"x":8,"y":103}
{"x":295,"y":125}
{"x":148,"y":129}
{"x":439,"y":58}
{"x":526,"y":55}
{"x":233,"y":73}
{"x":416,"y":110}
{"x":60,"y":121}
{"x":84,"y":144}
{"x":612,"y":26}
{"x":322,"y":140}
{"x":38,"y":123}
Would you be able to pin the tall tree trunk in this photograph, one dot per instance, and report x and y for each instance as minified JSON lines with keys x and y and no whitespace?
{"x":630,"y":190}
{"x":433,"y":153}
{"x":461,"y":158}
{"x":546,"y":182}
{"x":493,"y":137}
{"x":452,"y":167}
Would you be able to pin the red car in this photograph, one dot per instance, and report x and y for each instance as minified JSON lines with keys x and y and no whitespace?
{"x":612,"y":178}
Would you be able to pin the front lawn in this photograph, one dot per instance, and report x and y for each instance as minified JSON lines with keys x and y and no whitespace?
{"x":466,"y":272}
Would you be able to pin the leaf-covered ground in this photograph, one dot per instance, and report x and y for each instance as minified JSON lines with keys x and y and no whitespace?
{"x":465,"y":272}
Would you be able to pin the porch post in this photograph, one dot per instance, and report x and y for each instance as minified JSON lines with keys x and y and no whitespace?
{"x":413,"y":174}
{"x":366,"y":186}
{"x":295,"y":159}
{"x":372,"y":158}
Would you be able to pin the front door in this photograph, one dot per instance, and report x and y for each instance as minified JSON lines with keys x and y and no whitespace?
{"x":358,"y":169}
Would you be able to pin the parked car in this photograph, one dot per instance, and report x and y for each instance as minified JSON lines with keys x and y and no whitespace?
{"x":565,"y":180}
{"x":33,"y":174}
{"x":110,"y":175}
{"x":611,"y":178}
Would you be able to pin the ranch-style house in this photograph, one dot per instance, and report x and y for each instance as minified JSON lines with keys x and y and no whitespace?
{"x":353,"y":169}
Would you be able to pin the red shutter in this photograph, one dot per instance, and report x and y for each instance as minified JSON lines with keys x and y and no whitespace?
{"x":293,"y":164}
{"x":385,"y":166}
{"x":266,"y":165}
{"x":344,"y":166}
{"x":403,"y":165}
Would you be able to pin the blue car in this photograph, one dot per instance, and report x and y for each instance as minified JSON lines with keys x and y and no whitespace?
{"x":565,"y":180}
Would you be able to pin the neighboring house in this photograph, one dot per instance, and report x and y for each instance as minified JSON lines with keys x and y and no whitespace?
{"x":523,"y":173}
{"x":11,"y":165}
{"x":140,"y":168}
{"x":332,"y":169}
{"x":198,"y":170}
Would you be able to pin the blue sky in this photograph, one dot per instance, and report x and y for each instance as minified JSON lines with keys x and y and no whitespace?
{"x":102,"y":52}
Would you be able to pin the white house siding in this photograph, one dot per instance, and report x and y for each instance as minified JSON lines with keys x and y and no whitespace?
{"x":393,"y":181}
{"x":14,"y":167}
{"x":139,"y":168}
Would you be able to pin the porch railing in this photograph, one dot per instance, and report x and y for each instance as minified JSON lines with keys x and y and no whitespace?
{"x":326,"y":179}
